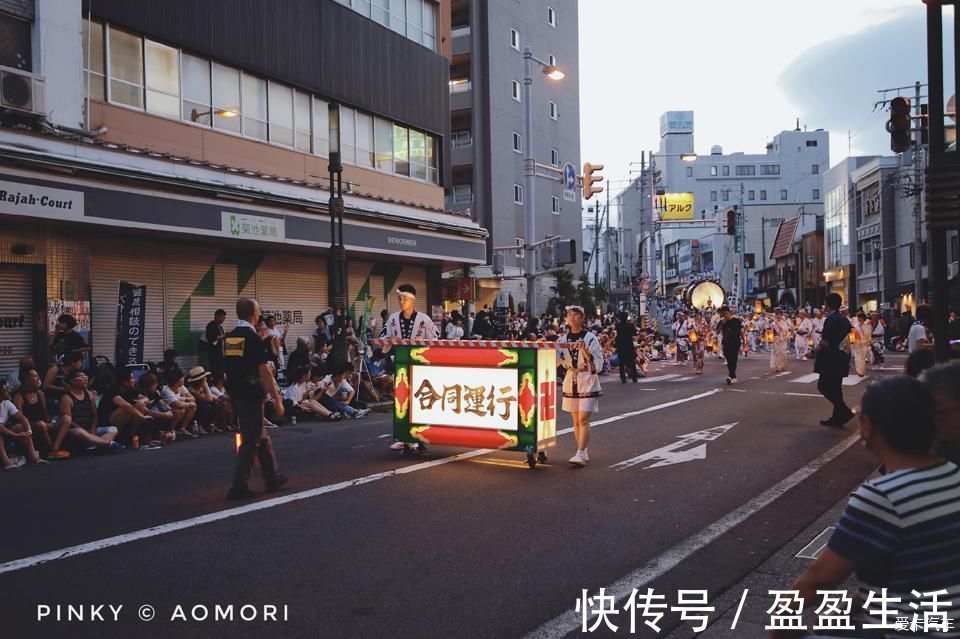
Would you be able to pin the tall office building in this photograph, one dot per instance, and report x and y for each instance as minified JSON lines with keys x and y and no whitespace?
{"x":487,"y":125}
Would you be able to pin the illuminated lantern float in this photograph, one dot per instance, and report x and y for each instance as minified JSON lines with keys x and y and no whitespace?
{"x":703,"y":293}
{"x":475,"y":394}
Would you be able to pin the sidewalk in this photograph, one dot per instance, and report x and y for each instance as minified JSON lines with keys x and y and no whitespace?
{"x":777,"y":573}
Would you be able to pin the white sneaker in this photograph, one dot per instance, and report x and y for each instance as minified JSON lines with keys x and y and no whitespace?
{"x":578,"y":459}
{"x":267,"y":423}
{"x":396,"y":446}
{"x":361,"y":413}
{"x":733,"y":380}
{"x":585,"y":457}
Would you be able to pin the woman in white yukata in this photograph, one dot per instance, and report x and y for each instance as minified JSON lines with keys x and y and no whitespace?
{"x":581,"y":383}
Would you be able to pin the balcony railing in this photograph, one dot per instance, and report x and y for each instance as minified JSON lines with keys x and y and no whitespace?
{"x":460,"y":86}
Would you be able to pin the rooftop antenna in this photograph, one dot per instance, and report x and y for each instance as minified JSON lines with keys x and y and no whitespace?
{"x":798,"y":125}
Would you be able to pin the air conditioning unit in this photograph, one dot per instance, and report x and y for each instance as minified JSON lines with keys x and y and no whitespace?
{"x":22,"y":91}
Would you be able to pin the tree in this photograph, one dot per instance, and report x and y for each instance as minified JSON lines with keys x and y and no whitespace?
{"x":564,"y":292}
{"x":586,"y":296}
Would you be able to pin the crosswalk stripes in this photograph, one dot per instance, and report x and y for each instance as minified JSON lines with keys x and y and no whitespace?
{"x":852,"y":380}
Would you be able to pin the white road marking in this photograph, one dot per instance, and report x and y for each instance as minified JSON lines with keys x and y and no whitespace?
{"x":162,"y":529}
{"x":668,"y":455}
{"x":782,"y":373}
{"x":682,"y":379}
{"x":816,"y":545}
{"x":736,"y":390}
{"x":853,"y":380}
{"x":383,"y":436}
{"x":806,"y":379}
{"x":801,"y":394}
{"x":657,"y":378}
{"x":569,"y":621}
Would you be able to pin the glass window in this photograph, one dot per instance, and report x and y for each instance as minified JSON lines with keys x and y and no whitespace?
{"x":555,"y":205}
{"x":398,"y":16}
{"x":816,"y":194}
{"x":689,"y":171}
{"x":551,"y":60}
{"x":551,"y":17}
{"x":746,"y":169}
{"x":383,"y":144}
{"x":725,"y":170}
{"x":751,"y":195}
{"x":126,"y":68}
{"x":726,"y":195}
{"x":163,"y":79}
{"x":429,"y":25}
{"x":517,"y":142}
{"x":769,"y":169}
{"x":554,"y":112}
{"x":554,"y":157}
{"x":401,"y":151}
{"x":418,"y":155}
{"x":783,"y":194}
{"x":348,"y":135}
{"x":433,"y":159}
{"x":195,"y":82}
{"x":763,"y":195}
{"x":517,"y":194}
{"x":362,"y":7}
{"x":226,"y":98}
{"x":515,"y":90}
{"x":515,"y":39}
{"x":280,"y":101}
{"x":254,"y":107}
{"x":815,"y":169}
{"x":713,"y":170}
{"x":381,"y":11}
{"x":415,"y":20}
{"x":365,"y":155}
{"x":93,"y":60}
{"x":321,"y":128}
{"x":713,"y":196}
{"x":301,"y":119}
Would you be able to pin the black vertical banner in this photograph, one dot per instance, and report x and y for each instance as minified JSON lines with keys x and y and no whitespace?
{"x":131,"y":323}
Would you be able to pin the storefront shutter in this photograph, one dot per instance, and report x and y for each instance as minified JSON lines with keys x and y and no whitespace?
{"x":293,"y":288}
{"x":16,"y":317}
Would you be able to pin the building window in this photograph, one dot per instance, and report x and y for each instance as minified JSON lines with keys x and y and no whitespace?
{"x":815,"y":169}
{"x":517,"y":142}
{"x":518,"y":242}
{"x":301,"y":118}
{"x":321,"y":129}
{"x":726,"y":195}
{"x":364,"y":131}
{"x":769,"y":169}
{"x":811,"y":143}
{"x":689,"y":171}
{"x":955,"y":248}
{"x":783,"y":194}
{"x":254,"y":98}
{"x":746,"y":169}
{"x":713,"y":196}
{"x":763,"y":195}
{"x":713,"y":171}
{"x":95,"y":74}
{"x":555,"y":205}
{"x":515,"y":90}
{"x":750,"y":196}
{"x":418,"y":155}
{"x":195,"y":86}
{"x":515,"y":39}
{"x":725,"y":170}
{"x":162,"y":79}
{"x":280,"y":108}
{"x":226,"y":98}
{"x":551,"y":60}
{"x":517,"y":194}
{"x":348,"y":135}
{"x":816,"y":194}
{"x":554,"y":112}
{"x":551,"y":17}
{"x":126,"y":68}
{"x":401,"y":151}
{"x":554,"y":157}
{"x":462,"y":193}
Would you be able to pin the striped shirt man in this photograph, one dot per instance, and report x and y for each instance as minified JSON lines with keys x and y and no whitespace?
{"x":902,"y":531}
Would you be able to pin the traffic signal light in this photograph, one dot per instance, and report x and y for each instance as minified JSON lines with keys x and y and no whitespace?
{"x":591,"y":177}
{"x":898,"y":126}
{"x":731,"y":222}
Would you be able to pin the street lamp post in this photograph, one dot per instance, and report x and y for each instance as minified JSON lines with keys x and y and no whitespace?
{"x":338,"y":253}
{"x":530,"y":172}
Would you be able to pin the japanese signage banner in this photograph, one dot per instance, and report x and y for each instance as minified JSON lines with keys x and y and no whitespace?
{"x":469,"y":397}
{"x":674,"y":206}
{"x":131,"y":323}
{"x":252,"y":227}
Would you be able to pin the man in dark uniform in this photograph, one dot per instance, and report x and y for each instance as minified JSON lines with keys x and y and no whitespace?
{"x":833,"y":362}
{"x":626,"y":351}
{"x":214,"y":335}
{"x":731,"y":329}
{"x":249,"y":379}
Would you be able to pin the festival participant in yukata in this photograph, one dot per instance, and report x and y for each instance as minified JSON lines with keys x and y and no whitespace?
{"x":878,"y":332}
{"x":860,"y":342}
{"x":817,"y":322}
{"x":581,"y":383}
{"x":698,"y":333}
{"x":681,"y":335}
{"x":804,"y":330}
{"x":408,"y":323}
{"x":781,"y":328}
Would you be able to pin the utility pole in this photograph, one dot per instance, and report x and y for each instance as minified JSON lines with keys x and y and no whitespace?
{"x":596,"y":243}
{"x":742,"y":230}
{"x":918,"y":293}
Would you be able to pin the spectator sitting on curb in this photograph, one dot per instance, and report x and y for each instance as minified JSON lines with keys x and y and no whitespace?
{"x":226,"y":419}
{"x":896,"y":528}
{"x":199,"y":389}
{"x":78,"y":411}
{"x":14,"y":431}
{"x":297,"y":399}
{"x":123,"y":406}
{"x":330,"y":390}
{"x":178,"y":398}
{"x":32,"y":403}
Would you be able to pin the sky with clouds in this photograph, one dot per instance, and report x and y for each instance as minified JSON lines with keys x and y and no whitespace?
{"x":747,"y":68}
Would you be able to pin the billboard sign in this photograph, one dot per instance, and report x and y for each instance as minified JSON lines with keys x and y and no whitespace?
{"x":672,"y":207}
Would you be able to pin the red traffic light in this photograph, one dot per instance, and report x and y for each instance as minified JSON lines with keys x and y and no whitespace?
{"x":731,"y":222}
{"x":898,"y":126}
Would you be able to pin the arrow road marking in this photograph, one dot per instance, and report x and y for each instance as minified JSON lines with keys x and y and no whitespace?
{"x":669,"y":455}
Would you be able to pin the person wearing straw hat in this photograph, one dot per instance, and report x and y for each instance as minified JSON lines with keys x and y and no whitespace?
{"x":581,"y":383}
{"x":408,"y":323}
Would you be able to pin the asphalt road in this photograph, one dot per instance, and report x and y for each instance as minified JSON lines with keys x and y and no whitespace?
{"x":366,"y":543}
